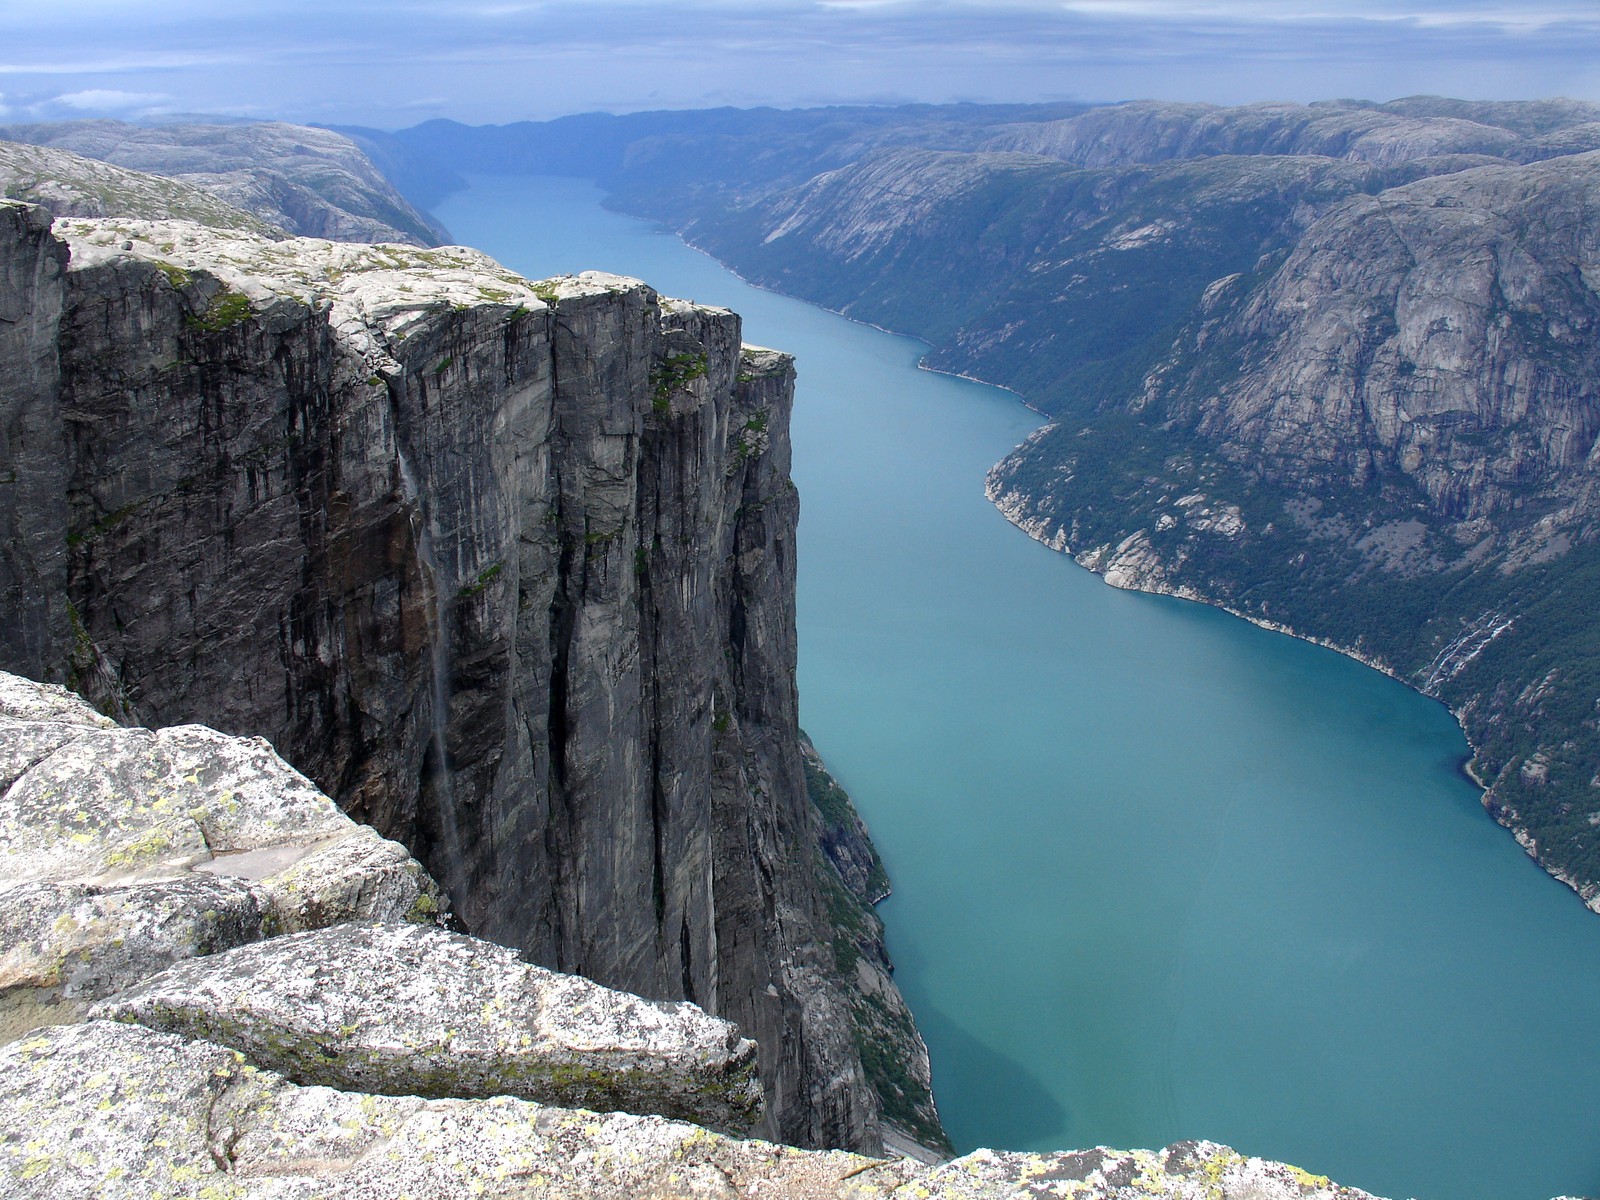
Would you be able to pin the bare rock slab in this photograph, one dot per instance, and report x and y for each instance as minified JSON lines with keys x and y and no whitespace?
{"x":125,"y":850}
{"x":105,"y":1111}
{"x":403,"y":1009}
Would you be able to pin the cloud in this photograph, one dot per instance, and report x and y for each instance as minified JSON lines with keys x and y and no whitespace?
{"x":500,"y":60}
{"x":111,"y":100}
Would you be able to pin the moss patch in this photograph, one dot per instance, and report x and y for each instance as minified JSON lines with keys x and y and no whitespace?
{"x":227,"y":309}
{"x":673,"y":376}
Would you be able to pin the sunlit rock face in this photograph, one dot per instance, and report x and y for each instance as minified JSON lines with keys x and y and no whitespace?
{"x":412,"y":1010}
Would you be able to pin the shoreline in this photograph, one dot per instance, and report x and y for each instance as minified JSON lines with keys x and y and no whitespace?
{"x":1588,"y":894}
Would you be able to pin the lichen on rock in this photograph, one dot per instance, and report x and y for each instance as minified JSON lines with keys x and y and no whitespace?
{"x":125,"y":850}
{"x":104,"y":1111}
{"x":403,"y":1009}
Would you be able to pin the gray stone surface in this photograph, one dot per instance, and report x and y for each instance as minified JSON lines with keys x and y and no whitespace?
{"x":403,"y":1009}
{"x":106,"y":1111}
{"x":125,"y":850}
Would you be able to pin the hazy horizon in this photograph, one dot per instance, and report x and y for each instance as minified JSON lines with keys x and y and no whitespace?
{"x":497,"y":61}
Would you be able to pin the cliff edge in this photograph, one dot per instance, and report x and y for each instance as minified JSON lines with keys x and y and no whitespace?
{"x":506,"y":567}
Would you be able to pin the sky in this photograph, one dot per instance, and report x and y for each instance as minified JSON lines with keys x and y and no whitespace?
{"x":393,"y":63}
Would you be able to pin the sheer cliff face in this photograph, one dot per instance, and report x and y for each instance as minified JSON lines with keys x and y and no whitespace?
{"x":508,"y":570}
{"x":32,"y":473}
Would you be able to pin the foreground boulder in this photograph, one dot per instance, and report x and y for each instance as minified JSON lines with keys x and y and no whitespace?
{"x":110,"y":1111}
{"x":125,"y":850}
{"x":410,"y":1010}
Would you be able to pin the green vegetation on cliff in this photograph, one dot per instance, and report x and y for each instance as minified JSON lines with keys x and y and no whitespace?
{"x":851,"y":879}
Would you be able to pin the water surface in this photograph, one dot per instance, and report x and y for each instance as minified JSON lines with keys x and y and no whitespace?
{"x":1159,"y":874}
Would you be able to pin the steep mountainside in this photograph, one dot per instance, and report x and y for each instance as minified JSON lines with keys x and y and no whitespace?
{"x":70,"y":185}
{"x":1329,"y":365}
{"x":507,"y":568}
{"x":1392,"y":441}
{"x":311,"y":182}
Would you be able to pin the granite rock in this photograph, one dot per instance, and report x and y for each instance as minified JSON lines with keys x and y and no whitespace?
{"x":401,"y":1009}
{"x":110,"y":1111}
{"x":125,"y":850}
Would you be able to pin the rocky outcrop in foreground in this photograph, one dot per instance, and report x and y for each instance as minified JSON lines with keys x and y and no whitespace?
{"x":103,"y":1111}
{"x":123,"y":851}
{"x":319,"y":955}
{"x":376,"y":1058}
{"x":420,"y":1011}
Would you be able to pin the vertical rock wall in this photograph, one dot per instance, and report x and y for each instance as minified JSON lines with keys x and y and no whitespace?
{"x":507,"y":570}
{"x":32,"y":491}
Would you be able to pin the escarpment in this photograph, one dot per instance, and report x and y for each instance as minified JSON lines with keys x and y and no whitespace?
{"x":507,"y":568}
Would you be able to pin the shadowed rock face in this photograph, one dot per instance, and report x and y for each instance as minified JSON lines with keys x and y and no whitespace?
{"x":508,"y":570}
{"x":33,"y":575}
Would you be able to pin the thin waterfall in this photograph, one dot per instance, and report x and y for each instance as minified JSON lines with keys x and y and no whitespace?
{"x":439,"y":646}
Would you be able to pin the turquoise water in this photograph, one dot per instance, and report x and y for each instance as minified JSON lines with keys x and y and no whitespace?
{"x":1159,"y":874}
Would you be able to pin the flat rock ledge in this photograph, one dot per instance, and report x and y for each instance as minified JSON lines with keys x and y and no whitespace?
{"x":404,"y":1009}
{"x":123,"y":851}
{"x":107,"y":1111}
